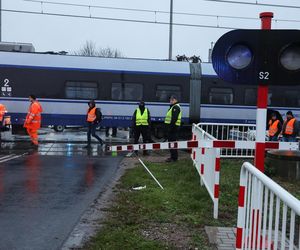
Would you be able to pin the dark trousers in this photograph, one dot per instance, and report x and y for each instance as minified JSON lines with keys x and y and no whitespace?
{"x":138,"y":131}
{"x":273,"y":138}
{"x":173,"y":136}
{"x":289,"y":138}
{"x":141,"y":130}
{"x":92,"y":131}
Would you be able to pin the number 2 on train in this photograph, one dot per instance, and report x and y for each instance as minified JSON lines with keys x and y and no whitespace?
{"x":6,"y":82}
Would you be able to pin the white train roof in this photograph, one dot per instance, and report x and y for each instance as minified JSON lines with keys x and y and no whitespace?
{"x":36,"y":60}
{"x":207,"y":69}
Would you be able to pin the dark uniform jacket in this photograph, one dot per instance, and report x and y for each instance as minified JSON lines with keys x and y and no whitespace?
{"x":175,"y":114}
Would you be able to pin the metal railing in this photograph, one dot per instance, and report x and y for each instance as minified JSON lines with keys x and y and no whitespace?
{"x":236,"y":132}
{"x":207,"y":163}
{"x":268,"y":215}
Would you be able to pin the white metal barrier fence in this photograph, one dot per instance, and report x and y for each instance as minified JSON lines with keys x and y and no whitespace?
{"x":236,"y":132}
{"x":207,"y":163}
{"x":268,"y":216}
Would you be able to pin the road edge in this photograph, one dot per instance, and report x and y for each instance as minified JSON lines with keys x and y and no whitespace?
{"x":90,"y":221}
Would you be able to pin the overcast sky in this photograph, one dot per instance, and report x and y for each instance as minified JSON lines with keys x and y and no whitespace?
{"x":134,"y":39}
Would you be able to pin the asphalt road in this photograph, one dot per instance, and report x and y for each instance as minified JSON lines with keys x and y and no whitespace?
{"x":44,"y":192}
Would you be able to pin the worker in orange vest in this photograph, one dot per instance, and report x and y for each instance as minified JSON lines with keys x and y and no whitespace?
{"x":275,"y":127}
{"x":289,"y":128}
{"x":93,"y":118}
{"x":2,"y":113}
{"x":33,"y":120}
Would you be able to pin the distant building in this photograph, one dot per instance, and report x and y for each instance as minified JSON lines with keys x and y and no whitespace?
{"x":16,"y":47}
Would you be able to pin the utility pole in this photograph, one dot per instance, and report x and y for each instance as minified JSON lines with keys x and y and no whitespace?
{"x":170,"y":30}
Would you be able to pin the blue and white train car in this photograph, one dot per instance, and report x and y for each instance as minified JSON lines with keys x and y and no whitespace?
{"x":232,"y":103}
{"x":64,"y":84}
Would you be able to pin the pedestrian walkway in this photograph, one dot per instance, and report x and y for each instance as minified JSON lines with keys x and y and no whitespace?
{"x":222,"y":237}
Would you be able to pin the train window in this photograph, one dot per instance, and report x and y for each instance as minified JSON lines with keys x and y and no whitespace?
{"x":292,"y":98}
{"x":221,"y":96}
{"x":163,"y":92}
{"x":250,"y":96}
{"x":81,"y":90}
{"x":127,"y":91}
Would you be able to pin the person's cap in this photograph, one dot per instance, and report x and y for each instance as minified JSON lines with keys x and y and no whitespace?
{"x":289,"y":113}
{"x":142,"y":103}
{"x":91,"y":102}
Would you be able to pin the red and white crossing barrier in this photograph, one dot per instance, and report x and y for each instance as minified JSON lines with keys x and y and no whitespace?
{"x":203,"y":144}
{"x":267,"y":213}
{"x":231,"y":131}
{"x":207,"y":163}
{"x":206,"y":155}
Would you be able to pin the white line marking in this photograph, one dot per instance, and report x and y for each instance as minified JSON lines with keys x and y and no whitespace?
{"x":7,"y":156}
{"x":13,"y":157}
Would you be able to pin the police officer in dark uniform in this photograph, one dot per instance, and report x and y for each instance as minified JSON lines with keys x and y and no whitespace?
{"x":141,"y":124}
{"x":173,"y":122}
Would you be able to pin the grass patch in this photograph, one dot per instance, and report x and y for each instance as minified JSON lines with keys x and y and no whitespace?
{"x":173,"y":218}
{"x":291,"y":186}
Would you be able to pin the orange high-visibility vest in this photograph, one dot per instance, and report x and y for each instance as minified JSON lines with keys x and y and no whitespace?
{"x":273,"y":127}
{"x":34,"y":118}
{"x":289,"y":128}
{"x":91,"y":115}
{"x":2,"y":111}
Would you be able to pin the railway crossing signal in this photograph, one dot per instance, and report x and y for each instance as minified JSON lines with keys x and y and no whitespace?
{"x":269,"y":57}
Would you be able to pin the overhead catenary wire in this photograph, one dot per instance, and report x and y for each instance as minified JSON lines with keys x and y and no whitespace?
{"x":256,"y":3}
{"x":154,"y":11}
{"x":135,"y":9}
{"x":116,"y":19}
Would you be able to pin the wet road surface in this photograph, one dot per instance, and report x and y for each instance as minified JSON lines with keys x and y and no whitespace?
{"x":44,"y":192}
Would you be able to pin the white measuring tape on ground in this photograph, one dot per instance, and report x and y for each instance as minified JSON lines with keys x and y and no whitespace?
{"x":143,"y":164}
{"x":203,"y":144}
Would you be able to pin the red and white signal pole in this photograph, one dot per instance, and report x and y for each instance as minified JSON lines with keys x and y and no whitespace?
{"x":262,"y":104}
{"x":254,"y":236}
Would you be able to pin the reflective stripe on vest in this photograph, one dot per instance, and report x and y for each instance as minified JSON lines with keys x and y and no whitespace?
{"x":141,"y":119}
{"x":289,"y":128}
{"x":273,"y":127}
{"x":35,"y":117}
{"x":91,"y":115}
{"x":169,"y":116}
